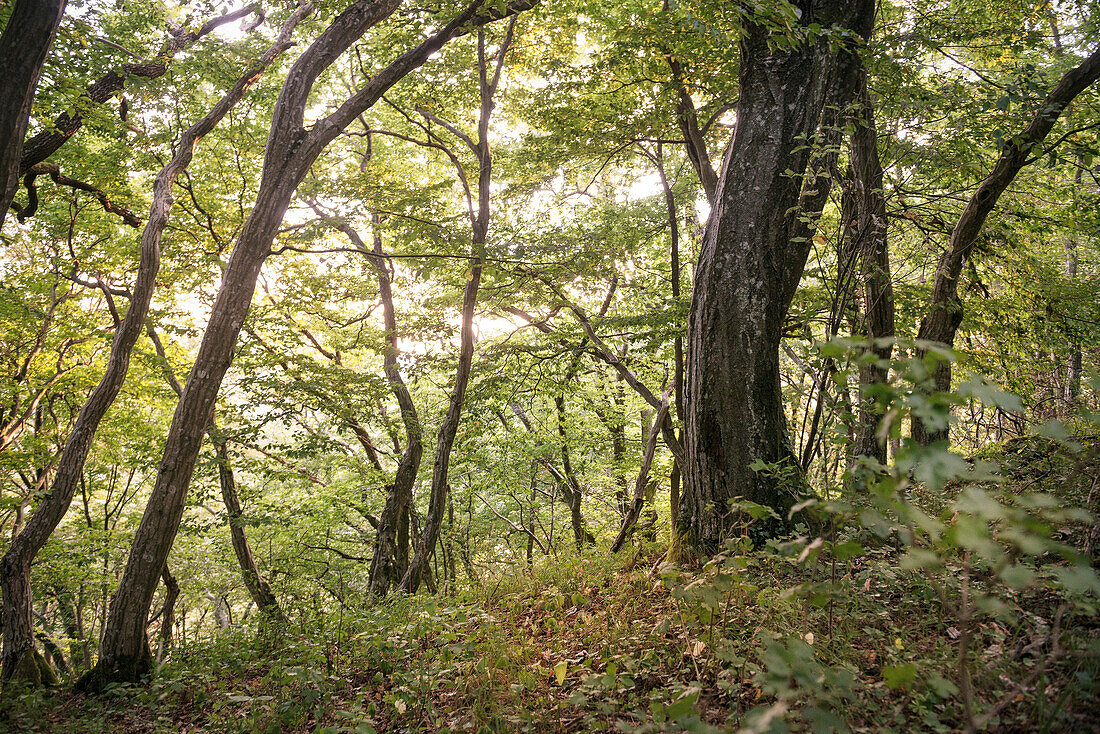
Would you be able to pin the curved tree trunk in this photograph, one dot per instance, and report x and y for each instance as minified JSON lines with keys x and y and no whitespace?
{"x":290,"y":151}
{"x":945,"y":313}
{"x":489,"y":80}
{"x":753,"y":255}
{"x":16,"y":563}
{"x":23,"y":46}
{"x":390,"y":559}
{"x":254,"y":581}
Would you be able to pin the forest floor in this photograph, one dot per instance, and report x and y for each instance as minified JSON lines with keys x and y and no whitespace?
{"x":588,"y":643}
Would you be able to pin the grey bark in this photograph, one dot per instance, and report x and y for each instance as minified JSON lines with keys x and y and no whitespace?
{"x":643,"y":477}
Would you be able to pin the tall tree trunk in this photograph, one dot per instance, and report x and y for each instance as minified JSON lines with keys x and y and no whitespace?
{"x":1072,"y":390}
{"x":15,"y":566}
{"x":291,"y":150}
{"x":489,"y":80}
{"x":390,"y":558}
{"x":23,"y":47}
{"x":678,"y":342}
{"x":870,"y":225}
{"x":945,"y":313}
{"x":753,"y":255}
{"x":254,"y":582}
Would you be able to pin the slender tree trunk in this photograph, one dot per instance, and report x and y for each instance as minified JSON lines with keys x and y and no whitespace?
{"x":703,"y":167}
{"x":291,"y":150}
{"x":643,"y":477}
{"x":15,"y":566}
{"x":258,"y":587}
{"x":573,"y":492}
{"x":167,"y":612}
{"x":878,"y":291}
{"x":945,"y":313}
{"x":389,"y":561}
{"x":489,"y":79}
{"x":753,"y":255}
{"x":1072,"y":390}
{"x":23,"y":46}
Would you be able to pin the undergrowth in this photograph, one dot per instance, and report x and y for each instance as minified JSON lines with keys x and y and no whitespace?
{"x":877,"y":621}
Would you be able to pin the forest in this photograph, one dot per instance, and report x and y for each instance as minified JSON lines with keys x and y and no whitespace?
{"x":549,"y":365}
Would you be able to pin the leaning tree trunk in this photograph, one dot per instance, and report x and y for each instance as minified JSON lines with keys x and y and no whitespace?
{"x":16,"y":564}
{"x":258,"y":587}
{"x":754,"y":251}
{"x":291,"y":150}
{"x":23,"y":46}
{"x":945,"y":313}
{"x":489,"y":80}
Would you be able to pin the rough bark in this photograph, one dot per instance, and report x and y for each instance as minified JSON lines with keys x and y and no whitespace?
{"x":23,"y":47}
{"x":15,"y":566}
{"x":747,"y":274}
{"x":945,"y":313}
{"x":291,"y":149}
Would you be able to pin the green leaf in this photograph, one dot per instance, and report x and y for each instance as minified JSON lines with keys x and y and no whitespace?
{"x":844,"y":551}
{"x":898,"y":676}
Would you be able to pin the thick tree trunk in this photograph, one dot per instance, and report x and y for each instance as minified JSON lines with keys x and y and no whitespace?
{"x":23,"y":46}
{"x":752,"y":259}
{"x":254,"y":582}
{"x":945,"y":313}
